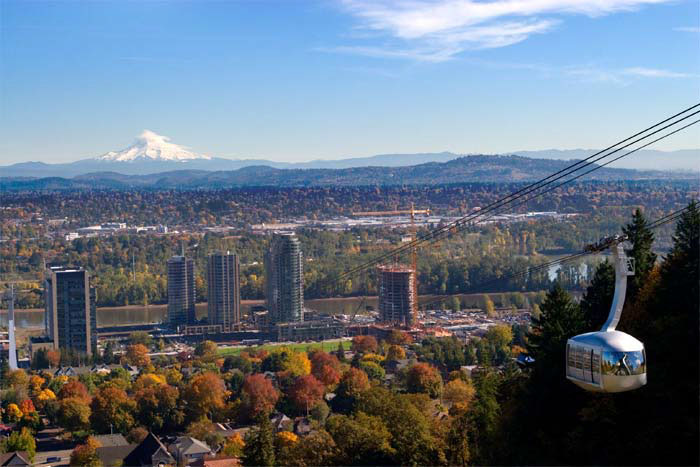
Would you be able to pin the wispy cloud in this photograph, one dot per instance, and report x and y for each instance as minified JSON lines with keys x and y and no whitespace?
{"x":693,"y":29}
{"x":654,"y":73}
{"x":438,"y":30}
{"x":621,"y":76}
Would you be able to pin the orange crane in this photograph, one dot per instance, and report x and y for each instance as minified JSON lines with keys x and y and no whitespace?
{"x":414,"y":262}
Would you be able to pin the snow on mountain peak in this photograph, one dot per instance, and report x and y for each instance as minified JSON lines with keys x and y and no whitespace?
{"x":150,"y":145}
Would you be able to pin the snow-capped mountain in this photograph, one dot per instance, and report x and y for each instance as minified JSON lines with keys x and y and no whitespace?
{"x":152,"y":146}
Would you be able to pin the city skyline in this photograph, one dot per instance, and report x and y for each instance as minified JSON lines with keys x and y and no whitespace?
{"x":242,"y":80}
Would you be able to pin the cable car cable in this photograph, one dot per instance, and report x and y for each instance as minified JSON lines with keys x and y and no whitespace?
{"x":653,"y":225}
{"x":537,"y":185}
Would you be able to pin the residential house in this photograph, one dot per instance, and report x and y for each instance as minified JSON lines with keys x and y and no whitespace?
{"x":150,"y":452}
{"x":15,"y":459}
{"x":188,"y":450}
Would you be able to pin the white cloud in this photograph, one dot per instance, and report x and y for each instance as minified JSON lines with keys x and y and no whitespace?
{"x":621,"y":76}
{"x":438,"y":30}
{"x":693,"y":29}
{"x":654,"y":73}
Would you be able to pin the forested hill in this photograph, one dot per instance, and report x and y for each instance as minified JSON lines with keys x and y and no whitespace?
{"x":480,"y":168}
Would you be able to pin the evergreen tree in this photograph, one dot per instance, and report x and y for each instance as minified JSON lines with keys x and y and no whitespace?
{"x":547,"y":407}
{"x":642,"y":239}
{"x":259,"y":447}
{"x":561,"y":319}
{"x":596,"y":302}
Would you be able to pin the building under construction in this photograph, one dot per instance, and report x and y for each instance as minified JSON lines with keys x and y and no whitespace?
{"x":397,"y":294}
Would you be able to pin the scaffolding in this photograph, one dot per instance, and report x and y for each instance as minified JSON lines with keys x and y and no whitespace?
{"x":397,"y":294}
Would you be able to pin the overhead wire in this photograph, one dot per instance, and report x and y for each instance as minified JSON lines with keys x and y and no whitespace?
{"x":566,"y":259}
{"x":436,"y":234}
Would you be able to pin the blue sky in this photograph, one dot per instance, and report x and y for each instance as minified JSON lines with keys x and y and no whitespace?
{"x":302,"y":80}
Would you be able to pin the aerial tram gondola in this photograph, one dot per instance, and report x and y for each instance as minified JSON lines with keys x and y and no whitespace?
{"x":608,"y":360}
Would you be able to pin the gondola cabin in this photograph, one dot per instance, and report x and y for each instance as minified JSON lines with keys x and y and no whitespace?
{"x":606,"y":361}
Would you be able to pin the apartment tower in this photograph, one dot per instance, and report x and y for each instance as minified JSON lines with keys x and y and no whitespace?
{"x":71,"y":315}
{"x":181,"y":291}
{"x":224,"y":293}
{"x":284,"y":271}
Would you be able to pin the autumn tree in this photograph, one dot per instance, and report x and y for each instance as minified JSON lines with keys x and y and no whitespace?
{"x":233,"y":446}
{"x":422,"y":377}
{"x":489,"y":307}
{"x":205,"y":395}
{"x":204,"y":430}
{"x":17,"y":379}
{"x":395,"y":352}
{"x":206,"y":351}
{"x":137,"y":355}
{"x":54,"y":358}
{"x":397,"y":337}
{"x":459,"y":393}
{"x":111,"y":408}
{"x":363,"y":344}
{"x":136,"y":435}
{"x":325,"y":368}
{"x":353,"y":383}
{"x":306,"y":392}
{"x":74,"y":389}
{"x":259,"y":395}
{"x":74,"y":414}
{"x":86,"y":454}
{"x":284,"y":359}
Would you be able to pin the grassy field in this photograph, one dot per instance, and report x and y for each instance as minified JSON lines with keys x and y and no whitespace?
{"x":303,"y":346}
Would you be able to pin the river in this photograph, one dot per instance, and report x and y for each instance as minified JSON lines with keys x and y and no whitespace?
{"x":139,"y":314}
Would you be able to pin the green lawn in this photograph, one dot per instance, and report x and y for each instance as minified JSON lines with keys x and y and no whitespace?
{"x":304,"y":346}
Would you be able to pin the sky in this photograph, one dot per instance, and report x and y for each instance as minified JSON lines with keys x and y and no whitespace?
{"x":328,"y":79}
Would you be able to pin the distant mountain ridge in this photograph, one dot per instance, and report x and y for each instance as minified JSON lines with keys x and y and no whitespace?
{"x":151,"y":153}
{"x":475,"y":169}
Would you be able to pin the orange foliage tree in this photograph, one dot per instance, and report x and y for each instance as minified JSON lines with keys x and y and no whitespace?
{"x":259,"y":395}
{"x":306,"y":392}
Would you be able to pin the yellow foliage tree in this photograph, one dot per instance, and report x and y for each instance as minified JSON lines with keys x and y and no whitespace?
{"x":14,"y":414}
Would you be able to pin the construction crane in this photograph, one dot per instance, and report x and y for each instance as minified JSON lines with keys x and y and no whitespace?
{"x":413,"y":212}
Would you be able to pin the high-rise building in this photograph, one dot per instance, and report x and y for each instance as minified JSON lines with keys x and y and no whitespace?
{"x":71,"y":315}
{"x":397,"y":294}
{"x":224,"y":293}
{"x":181,"y":291}
{"x":284,"y":271}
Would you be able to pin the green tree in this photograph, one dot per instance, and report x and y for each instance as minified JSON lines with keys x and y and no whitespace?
{"x":411,"y":435}
{"x":259,"y":449}
{"x":597,"y":300}
{"x":642,"y":239}
{"x":361,"y":439}
{"x":22,"y":440}
{"x":40,"y":360}
{"x":561,"y":319}
{"x":206,"y":350}
{"x":74,"y":414}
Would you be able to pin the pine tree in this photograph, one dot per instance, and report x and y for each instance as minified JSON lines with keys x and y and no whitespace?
{"x":642,"y":239}
{"x":561,"y":319}
{"x":259,"y":447}
{"x":596,"y":302}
